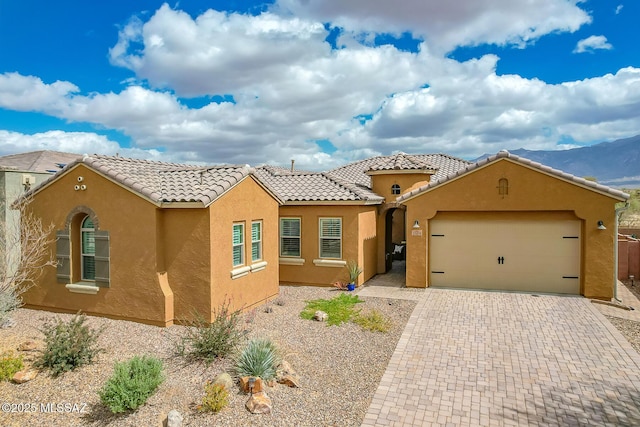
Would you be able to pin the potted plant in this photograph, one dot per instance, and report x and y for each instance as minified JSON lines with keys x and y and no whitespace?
{"x":354,"y":271}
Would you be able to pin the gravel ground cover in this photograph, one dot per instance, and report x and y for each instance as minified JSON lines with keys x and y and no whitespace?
{"x":630,"y":329}
{"x":339,"y":369}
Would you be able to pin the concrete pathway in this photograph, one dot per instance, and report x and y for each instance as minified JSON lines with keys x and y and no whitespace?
{"x":476,"y":358}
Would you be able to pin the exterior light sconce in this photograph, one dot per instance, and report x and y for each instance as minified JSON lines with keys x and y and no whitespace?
{"x":601,"y":225}
{"x":416,"y":224}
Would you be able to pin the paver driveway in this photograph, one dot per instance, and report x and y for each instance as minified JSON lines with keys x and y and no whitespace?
{"x":491,"y":358}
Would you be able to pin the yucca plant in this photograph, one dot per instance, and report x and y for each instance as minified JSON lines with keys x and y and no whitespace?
{"x":259,"y":358}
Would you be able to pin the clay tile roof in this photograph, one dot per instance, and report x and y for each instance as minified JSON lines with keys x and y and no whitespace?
{"x":400,"y":161}
{"x":313,"y":186}
{"x":165,"y":182}
{"x":504,"y":154}
{"x":38,"y":161}
{"x":356,"y":172}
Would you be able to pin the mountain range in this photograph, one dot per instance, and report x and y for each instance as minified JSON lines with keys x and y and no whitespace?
{"x":616,"y":163}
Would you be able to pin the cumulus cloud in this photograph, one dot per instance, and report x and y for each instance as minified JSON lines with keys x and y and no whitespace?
{"x":285,"y":87}
{"x":446,"y":25}
{"x":69,"y":142}
{"x":591,"y":44}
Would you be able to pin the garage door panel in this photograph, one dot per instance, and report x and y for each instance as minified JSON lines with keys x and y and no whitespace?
{"x":528,"y":255}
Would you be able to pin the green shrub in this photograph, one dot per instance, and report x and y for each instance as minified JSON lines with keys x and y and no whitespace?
{"x":68,"y":345}
{"x":9,"y":365}
{"x":131,"y":384}
{"x":259,"y":358}
{"x":340,"y":309}
{"x":208,"y":341}
{"x":215,"y":398}
{"x":373,"y":321}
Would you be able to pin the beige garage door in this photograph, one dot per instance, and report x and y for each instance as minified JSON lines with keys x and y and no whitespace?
{"x":521,"y":255}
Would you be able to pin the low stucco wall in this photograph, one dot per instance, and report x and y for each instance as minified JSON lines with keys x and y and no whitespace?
{"x":628,"y":259}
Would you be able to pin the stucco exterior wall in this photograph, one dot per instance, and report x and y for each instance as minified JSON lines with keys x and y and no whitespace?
{"x":381,"y":183}
{"x":532,"y":191}
{"x":354,"y":237}
{"x":368,"y":236}
{"x":134,"y":291}
{"x":245,"y":203}
{"x":183,"y":254}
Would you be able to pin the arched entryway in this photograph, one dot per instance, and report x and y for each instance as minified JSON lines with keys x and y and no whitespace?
{"x":395,"y":238}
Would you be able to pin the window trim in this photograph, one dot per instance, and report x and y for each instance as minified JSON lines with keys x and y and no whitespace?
{"x":299,"y":236}
{"x":321,"y":238}
{"x":240,"y":245}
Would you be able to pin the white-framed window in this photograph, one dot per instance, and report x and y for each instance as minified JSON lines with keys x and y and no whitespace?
{"x":238,"y":244}
{"x":88,"y":249}
{"x":395,"y":189}
{"x":330,"y":237}
{"x":256,"y":241}
{"x":290,"y":237}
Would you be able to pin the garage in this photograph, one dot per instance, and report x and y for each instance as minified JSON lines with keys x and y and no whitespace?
{"x":505,"y":252}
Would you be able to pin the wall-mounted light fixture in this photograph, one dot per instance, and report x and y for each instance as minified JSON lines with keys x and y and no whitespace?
{"x":416,"y":224}
{"x":601,"y":225}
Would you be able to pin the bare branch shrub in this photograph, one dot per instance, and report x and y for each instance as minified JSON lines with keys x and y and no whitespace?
{"x":24,"y":252}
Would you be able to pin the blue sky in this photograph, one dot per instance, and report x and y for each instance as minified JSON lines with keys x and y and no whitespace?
{"x":316,"y":81}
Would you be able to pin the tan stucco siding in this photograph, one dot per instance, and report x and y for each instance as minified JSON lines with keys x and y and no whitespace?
{"x":245,"y":203}
{"x":134,"y":291}
{"x":529,"y":191}
{"x":309,"y":273}
{"x":184,"y":248}
{"x":368,"y":236}
{"x":381,"y":184}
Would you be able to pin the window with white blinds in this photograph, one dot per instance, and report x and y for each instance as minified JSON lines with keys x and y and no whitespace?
{"x":290,"y":237}
{"x":330,"y":237}
{"x":88,"y":243}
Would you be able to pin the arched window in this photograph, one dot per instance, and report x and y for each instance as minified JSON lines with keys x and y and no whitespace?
{"x":503,"y":187}
{"x":88,"y":242}
{"x":395,"y":189}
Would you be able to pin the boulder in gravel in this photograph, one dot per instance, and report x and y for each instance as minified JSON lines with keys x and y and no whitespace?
{"x":25,"y":375}
{"x":29,"y":345}
{"x":225,"y":380}
{"x":174,"y":418}
{"x":320,"y":316}
{"x":259,"y":403}
{"x":257,"y":386}
{"x":289,"y":380}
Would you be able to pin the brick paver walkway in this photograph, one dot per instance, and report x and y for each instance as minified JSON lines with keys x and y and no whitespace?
{"x":473,"y":358}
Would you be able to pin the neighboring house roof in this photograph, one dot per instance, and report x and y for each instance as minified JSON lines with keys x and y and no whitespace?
{"x":356,"y":172}
{"x":504,"y":154}
{"x":163,"y":182}
{"x":44,"y":161}
{"x":301,"y":186}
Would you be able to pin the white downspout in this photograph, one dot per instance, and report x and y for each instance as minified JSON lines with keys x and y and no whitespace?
{"x":615,"y":251}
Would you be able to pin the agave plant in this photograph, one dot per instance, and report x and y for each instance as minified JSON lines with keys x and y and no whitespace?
{"x":354,"y":271}
{"x":259,"y":358}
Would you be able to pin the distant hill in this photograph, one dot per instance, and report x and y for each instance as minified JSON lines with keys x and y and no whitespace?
{"x":615,"y":163}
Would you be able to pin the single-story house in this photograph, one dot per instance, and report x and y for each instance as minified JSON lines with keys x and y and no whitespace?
{"x":156,"y":242}
{"x":171,"y":239}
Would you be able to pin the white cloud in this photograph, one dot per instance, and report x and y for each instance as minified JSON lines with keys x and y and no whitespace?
{"x":446,"y":25}
{"x":619,"y":9}
{"x":592,"y":43}
{"x":291,"y":89}
{"x":69,"y":142}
